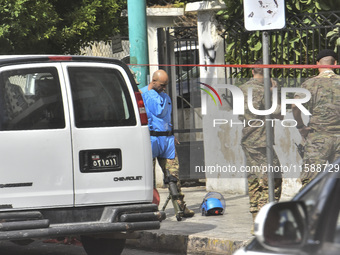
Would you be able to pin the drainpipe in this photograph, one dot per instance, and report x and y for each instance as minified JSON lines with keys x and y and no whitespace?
{"x":138,"y":38}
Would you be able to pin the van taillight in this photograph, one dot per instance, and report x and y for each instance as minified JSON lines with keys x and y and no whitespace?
{"x":141,"y":108}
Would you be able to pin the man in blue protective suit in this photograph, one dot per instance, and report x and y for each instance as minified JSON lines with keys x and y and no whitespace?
{"x":158,"y":108}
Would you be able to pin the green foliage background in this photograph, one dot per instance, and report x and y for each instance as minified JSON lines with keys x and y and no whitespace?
{"x":56,"y":26}
{"x":64,"y":26}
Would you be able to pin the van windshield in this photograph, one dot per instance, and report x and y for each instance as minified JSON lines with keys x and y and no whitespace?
{"x":100,"y":98}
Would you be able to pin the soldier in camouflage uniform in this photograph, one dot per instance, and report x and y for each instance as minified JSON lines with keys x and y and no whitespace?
{"x":254,"y":144}
{"x":322,"y":144}
{"x":158,"y":108}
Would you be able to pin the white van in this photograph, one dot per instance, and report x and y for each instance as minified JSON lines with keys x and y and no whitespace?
{"x":75,"y":152}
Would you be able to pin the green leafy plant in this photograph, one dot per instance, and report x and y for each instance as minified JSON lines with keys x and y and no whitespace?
{"x":334,"y":35}
{"x":56,"y":26}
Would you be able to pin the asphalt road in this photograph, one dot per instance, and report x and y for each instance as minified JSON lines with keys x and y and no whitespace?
{"x":42,"y":248}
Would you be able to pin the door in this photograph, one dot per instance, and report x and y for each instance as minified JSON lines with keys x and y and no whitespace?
{"x":35,"y":149}
{"x":111,"y":150}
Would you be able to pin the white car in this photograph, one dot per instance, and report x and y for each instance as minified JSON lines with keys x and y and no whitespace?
{"x":309,"y":224}
{"x":75,"y":152}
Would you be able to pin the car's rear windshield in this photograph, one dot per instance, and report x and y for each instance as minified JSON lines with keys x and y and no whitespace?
{"x":30,"y":99}
{"x":100,"y":98}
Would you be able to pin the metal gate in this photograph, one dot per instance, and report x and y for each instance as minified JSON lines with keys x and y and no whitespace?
{"x":179,"y":46}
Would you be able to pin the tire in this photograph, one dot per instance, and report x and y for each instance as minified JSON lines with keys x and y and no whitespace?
{"x":102,"y":246}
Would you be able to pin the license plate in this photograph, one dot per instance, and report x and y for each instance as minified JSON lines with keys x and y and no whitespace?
{"x":100,"y":160}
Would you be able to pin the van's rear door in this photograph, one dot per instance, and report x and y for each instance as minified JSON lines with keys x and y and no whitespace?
{"x":111,"y":150}
{"x":35,"y":149}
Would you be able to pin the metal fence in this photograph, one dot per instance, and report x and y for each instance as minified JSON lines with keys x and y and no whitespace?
{"x":116,"y":48}
{"x":178,"y":46}
{"x":298,"y":43}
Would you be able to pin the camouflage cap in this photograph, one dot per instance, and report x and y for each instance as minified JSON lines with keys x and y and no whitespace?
{"x":326,"y":53}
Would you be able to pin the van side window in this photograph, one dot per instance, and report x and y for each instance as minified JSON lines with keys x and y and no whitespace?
{"x":100,"y":98}
{"x":31,"y":99}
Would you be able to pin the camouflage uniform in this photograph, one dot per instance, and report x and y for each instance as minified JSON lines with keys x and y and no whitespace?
{"x":323,"y":141}
{"x":254,"y":146}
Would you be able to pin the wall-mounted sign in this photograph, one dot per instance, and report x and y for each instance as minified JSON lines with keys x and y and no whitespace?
{"x":264,"y":14}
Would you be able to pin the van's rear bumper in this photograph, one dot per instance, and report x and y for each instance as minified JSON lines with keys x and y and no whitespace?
{"x":114,"y":219}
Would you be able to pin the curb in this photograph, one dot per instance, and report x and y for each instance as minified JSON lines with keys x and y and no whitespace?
{"x":184,"y":244}
{"x":204,"y":235}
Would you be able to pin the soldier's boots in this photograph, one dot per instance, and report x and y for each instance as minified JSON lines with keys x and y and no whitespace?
{"x":187,"y":213}
{"x":253,"y":225}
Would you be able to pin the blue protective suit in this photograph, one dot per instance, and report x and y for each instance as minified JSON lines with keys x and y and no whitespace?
{"x":158,"y":108}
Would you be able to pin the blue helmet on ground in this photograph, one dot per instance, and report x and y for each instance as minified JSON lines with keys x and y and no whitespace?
{"x":213,"y":204}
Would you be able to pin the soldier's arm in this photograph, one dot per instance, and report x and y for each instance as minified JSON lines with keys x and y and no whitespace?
{"x":297,"y":116}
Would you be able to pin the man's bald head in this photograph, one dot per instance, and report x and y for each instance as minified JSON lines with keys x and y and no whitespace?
{"x":159,"y":73}
{"x":159,"y":81}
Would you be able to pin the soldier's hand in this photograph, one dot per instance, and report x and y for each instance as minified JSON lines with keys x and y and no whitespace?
{"x":304,"y":131}
{"x":274,"y":83}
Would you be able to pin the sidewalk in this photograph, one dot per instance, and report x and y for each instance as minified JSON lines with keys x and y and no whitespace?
{"x":201,"y":234}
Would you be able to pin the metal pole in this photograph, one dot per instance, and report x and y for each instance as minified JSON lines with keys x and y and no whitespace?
{"x":138,"y":38}
{"x":269,"y":129}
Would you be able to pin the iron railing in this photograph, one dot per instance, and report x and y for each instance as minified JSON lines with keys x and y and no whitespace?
{"x":298,"y":43}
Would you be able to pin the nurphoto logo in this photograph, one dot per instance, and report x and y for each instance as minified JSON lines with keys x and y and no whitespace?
{"x":239,"y":101}
{"x":209,"y":93}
